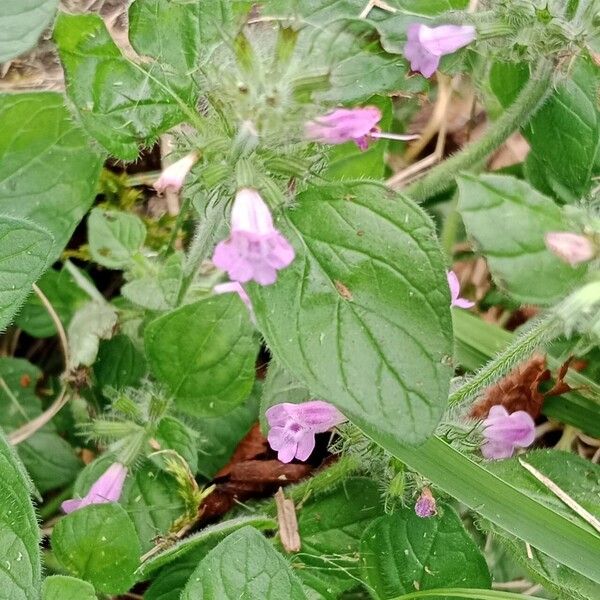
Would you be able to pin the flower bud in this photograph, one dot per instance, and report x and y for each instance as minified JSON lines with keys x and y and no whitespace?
{"x":570,"y":247}
{"x":107,"y":488}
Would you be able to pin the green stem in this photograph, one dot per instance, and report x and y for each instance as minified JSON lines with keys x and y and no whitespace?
{"x":181,"y":216}
{"x":201,"y":246}
{"x":463,"y":593}
{"x":531,"y":97}
{"x":540,"y":332}
{"x":324,"y":480}
{"x":449,"y":230}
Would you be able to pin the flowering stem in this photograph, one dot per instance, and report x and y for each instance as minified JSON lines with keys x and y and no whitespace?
{"x":541,"y":331}
{"x":201,"y":246}
{"x":531,"y":97}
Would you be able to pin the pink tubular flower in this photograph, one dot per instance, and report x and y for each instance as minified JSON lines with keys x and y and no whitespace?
{"x":570,"y":247}
{"x":237,"y":288}
{"x":426,"y":45}
{"x":504,"y":432}
{"x":293,"y":427}
{"x":255,"y":250}
{"x":173,"y":176}
{"x":426,"y":505}
{"x":457,"y":301}
{"x":107,"y":488}
{"x":358,"y":125}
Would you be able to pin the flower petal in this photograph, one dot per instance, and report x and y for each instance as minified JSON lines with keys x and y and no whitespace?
{"x":306,"y":444}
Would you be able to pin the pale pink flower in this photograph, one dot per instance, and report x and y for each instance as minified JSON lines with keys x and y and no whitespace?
{"x":255,"y":250}
{"x":504,"y":432}
{"x":358,"y":125}
{"x":570,"y":247}
{"x":426,"y":505}
{"x":425,"y":46}
{"x":457,"y":301}
{"x":237,"y":288}
{"x":293,"y":427}
{"x":173,"y":176}
{"x":107,"y":488}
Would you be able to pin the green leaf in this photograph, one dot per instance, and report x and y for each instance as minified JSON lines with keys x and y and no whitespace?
{"x":199,"y":544}
{"x":517,"y":256}
{"x":220,"y":436}
{"x":63,"y":587}
{"x":581,"y":480}
{"x":49,"y":169}
{"x":20,"y":569}
{"x":168,"y":31}
{"x":152,"y":500}
{"x":495,"y":499}
{"x":120,"y":103}
{"x":181,"y":34}
{"x":98,"y":543}
{"x":64,"y":295}
{"x":25,"y":250}
{"x":91,"y":323}
{"x":330,"y":529}
{"x":21,"y":24}
{"x":205,"y":353}
{"x":159,"y":289}
{"x":173,"y":434}
{"x":564,"y":134}
{"x":48,"y":458}
{"x":119,"y":363}
{"x":243,"y":565}
{"x":115,"y":237}
{"x":368,"y":274}
{"x":170,"y":581}
{"x":403,"y":552}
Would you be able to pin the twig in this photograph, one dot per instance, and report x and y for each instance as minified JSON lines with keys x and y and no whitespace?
{"x":60,"y":330}
{"x":562,"y":495}
{"x":28,"y":429}
{"x":371,"y":4}
{"x":437,"y":124}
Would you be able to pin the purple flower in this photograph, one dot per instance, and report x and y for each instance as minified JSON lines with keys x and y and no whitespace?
{"x":236,"y":287}
{"x":455,"y":292}
{"x":504,"y":432}
{"x":107,"y":488}
{"x":255,"y":250}
{"x":570,"y":247}
{"x":293,"y":427}
{"x":425,"y":505}
{"x":345,"y":125}
{"x":173,"y":176}
{"x":426,"y":45}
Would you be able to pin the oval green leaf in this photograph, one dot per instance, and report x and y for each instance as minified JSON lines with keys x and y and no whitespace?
{"x":98,"y":543}
{"x":205,"y":354}
{"x":362,"y":316}
{"x":243,"y":565}
{"x":402,"y":552}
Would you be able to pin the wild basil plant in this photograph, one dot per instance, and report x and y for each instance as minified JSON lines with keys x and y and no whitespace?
{"x":280,"y":319}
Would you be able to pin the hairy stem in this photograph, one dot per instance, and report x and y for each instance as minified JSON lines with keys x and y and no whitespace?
{"x":541,"y":331}
{"x":531,"y":97}
{"x":201,"y":246}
